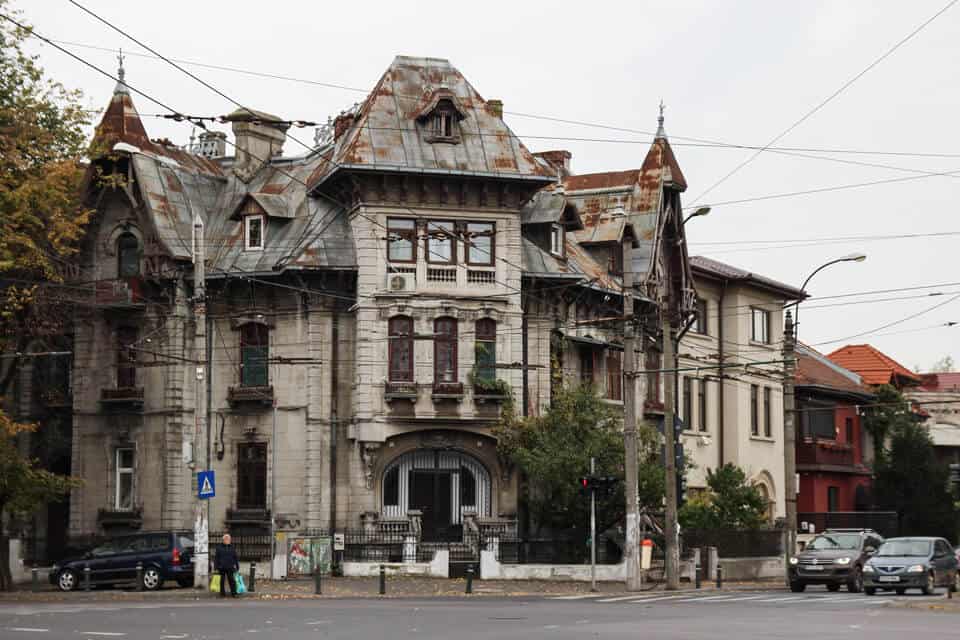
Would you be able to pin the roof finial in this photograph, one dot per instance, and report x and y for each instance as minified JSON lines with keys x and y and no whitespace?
{"x":660,"y":132}
{"x":121,"y":85}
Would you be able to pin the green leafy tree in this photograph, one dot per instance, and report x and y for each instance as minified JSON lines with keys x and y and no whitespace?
{"x":554,"y":450}
{"x":911,"y":481}
{"x":891,"y":411}
{"x":42,"y":147}
{"x":730,"y":502}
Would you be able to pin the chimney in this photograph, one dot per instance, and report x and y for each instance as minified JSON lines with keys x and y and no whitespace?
{"x":212,"y":144}
{"x":559,"y":160}
{"x":495,"y":108}
{"x":258,"y":137}
{"x":341,"y":123}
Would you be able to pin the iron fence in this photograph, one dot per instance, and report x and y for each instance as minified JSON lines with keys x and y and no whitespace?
{"x":883,"y":522}
{"x":546,"y":550}
{"x":732,"y":543}
{"x":378,"y":546}
{"x":249,"y":548}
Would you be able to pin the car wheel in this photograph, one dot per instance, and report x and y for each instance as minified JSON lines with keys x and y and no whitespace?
{"x":856,"y":585}
{"x":870,"y":591}
{"x":152,"y":580}
{"x":797,"y":587}
{"x":930,"y":585}
{"x":67,"y":580}
{"x":833,"y":587}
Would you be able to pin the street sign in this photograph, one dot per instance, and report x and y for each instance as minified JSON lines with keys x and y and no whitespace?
{"x":206,"y":485}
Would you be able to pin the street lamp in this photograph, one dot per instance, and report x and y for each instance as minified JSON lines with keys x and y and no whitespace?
{"x":852,"y":257}
{"x":702,"y":211}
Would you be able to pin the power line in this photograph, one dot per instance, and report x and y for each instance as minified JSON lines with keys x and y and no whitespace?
{"x":897,"y":236}
{"x":891,"y":324}
{"x":825,"y":101}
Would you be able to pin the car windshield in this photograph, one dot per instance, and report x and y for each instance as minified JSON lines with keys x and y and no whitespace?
{"x":835,"y":541}
{"x":918,"y":548}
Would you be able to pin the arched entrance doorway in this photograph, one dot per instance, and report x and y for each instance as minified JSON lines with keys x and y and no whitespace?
{"x":442,"y":484}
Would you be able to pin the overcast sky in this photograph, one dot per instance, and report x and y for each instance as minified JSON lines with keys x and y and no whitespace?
{"x":735,"y":72}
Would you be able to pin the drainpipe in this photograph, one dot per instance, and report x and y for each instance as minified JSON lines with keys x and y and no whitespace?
{"x":334,"y":365}
{"x":524,"y":373}
{"x":720,"y":375}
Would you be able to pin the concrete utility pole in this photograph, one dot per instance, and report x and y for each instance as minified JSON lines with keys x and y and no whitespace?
{"x":631,"y":455}
{"x":672,"y":564}
{"x":200,"y":513}
{"x":789,"y":440}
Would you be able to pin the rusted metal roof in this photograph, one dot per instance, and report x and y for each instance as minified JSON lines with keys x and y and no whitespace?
{"x":816,"y":370}
{"x":388,"y":132}
{"x":606,"y":180}
{"x":722,"y":271}
{"x":577,"y":265}
{"x":548,"y":206}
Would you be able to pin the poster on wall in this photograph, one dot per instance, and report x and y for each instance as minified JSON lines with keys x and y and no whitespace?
{"x":304,"y":553}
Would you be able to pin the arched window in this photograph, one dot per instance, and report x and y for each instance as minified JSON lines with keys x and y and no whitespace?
{"x":391,"y":487}
{"x":400,"y":359}
{"x":128,"y":255}
{"x":445,"y":350}
{"x":254,"y":355}
{"x":485,"y":350}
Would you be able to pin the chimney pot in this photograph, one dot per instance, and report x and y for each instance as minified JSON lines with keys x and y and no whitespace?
{"x":495,"y":108}
{"x":259,"y":137}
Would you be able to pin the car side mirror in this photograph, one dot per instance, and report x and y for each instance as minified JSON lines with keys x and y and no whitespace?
{"x":870,"y":550}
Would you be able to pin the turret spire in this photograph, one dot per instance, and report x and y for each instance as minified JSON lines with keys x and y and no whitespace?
{"x":121,"y":85}
{"x":660,"y":132}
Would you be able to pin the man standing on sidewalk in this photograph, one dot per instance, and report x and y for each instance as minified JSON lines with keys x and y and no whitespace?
{"x":225,"y":562}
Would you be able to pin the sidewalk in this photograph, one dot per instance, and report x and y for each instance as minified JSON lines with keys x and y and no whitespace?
{"x":396,"y":587}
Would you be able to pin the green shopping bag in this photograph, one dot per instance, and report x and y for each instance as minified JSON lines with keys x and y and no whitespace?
{"x":241,"y":585}
{"x":215,"y":583}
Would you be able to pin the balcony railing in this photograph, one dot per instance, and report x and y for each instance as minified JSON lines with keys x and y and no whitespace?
{"x":125,"y":292}
{"x":448,"y":390}
{"x":400,"y":390}
{"x":825,"y":452}
{"x":130,"y":397}
{"x":261,"y":394}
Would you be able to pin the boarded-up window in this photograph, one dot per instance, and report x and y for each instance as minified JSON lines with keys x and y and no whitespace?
{"x":252,"y":476}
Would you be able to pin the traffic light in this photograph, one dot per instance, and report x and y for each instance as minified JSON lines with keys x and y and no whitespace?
{"x":602,"y":485}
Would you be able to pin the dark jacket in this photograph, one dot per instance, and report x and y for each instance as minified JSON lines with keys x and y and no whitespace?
{"x":225,"y":558}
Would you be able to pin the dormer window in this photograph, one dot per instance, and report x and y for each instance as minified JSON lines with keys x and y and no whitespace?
{"x":556,"y":240}
{"x":439,"y":115}
{"x":253,"y":232}
{"x":443,"y":123}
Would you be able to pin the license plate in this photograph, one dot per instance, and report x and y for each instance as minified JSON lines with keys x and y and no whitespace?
{"x":814,"y":567}
{"x":888,"y":579}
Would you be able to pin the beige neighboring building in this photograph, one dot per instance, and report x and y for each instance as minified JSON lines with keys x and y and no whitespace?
{"x":939,"y":397}
{"x":735,"y":414}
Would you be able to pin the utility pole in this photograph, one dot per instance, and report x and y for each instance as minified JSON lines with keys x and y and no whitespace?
{"x":789,"y":439}
{"x":200,"y":512}
{"x":593,"y":529}
{"x":632,"y":545}
{"x":672,"y":564}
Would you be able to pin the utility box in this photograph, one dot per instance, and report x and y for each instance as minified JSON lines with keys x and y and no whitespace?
{"x":646,"y":553}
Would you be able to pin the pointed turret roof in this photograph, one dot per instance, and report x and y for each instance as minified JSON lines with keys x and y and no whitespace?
{"x":660,"y":165}
{"x":121,"y":122}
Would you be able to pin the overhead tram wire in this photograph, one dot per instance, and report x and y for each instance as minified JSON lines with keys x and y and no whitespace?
{"x":894,"y":323}
{"x":826,"y":101}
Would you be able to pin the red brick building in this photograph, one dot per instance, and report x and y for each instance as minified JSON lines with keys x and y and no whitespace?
{"x":832,"y":446}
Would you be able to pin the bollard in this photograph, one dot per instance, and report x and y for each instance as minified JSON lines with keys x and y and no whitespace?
{"x":35,"y":579}
{"x":86,"y":577}
{"x":470,"y":578}
{"x":252,"y":586}
{"x":719,"y":577}
{"x":698,"y":576}
{"x":316,"y":581}
{"x":383,"y":580}
{"x":139,"y":576}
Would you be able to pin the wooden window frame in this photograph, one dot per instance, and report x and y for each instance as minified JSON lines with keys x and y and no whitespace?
{"x":615,"y":375}
{"x":849,"y":429}
{"x":485,"y":337}
{"x":125,"y":471}
{"x":408,"y":234}
{"x":588,"y":354}
{"x":450,"y":235}
{"x":250,"y":466}
{"x":768,"y":412}
{"x":700,"y":326}
{"x":754,"y":312}
{"x":247,"y":224}
{"x":615,"y":260}
{"x":122,"y":252}
{"x":702,"y":405}
{"x":468,"y":244}
{"x":261,"y":333}
{"x":398,"y":339}
{"x":450,"y":339}
{"x":686,"y":395}
{"x":557,"y":237}
{"x":754,"y":410}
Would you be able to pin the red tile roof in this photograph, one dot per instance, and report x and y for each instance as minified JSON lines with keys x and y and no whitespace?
{"x":949,"y":381}
{"x":874,"y":366}
{"x":815,"y":369}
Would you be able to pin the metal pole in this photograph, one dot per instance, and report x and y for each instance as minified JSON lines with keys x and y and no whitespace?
{"x":672,"y":560}
{"x":593,"y":531}
{"x":383,"y":580}
{"x":317,"y":588}
{"x":252,"y":587}
{"x":634,"y":580}
{"x":200,"y":516}
{"x":35,"y":579}
{"x":789,"y":443}
{"x":719,"y":576}
{"x":470,"y":579}
{"x":86,"y":577}
{"x":139,"y":586}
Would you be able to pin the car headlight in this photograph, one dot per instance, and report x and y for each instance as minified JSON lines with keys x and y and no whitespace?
{"x":868,"y":568}
{"x":794,"y":560}
{"x":917,"y":568}
{"x":842,"y":561}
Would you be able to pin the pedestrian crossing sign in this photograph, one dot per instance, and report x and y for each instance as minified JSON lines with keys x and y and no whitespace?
{"x":206,"y":485}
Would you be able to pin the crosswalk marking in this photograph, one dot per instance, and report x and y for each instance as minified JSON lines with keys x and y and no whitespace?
{"x":633,"y":597}
{"x":579,"y":596}
{"x":781,"y":599}
{"x":659,"y":599}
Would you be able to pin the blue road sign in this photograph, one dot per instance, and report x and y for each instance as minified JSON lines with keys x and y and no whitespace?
{"x":206,"y":485}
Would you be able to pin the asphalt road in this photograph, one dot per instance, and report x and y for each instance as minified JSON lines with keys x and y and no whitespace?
{"x":743,"y":615}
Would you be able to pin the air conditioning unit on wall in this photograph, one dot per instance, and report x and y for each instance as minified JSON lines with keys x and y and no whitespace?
{"x":401,"y":282}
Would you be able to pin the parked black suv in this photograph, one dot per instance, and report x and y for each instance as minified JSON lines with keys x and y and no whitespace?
{"x":834,"y":558}
{"x":165,"y":555}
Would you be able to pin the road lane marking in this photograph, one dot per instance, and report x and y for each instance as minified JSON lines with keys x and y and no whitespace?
{"x":711,"y":598}
{"x":738,"y":599}
{"x":29,"y":629}
{"x":111,"y":634}
{"x":579,"y":596}
{"x":621,"y":598}
{"x":661,"y":598}
{"x":789,"y":599}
